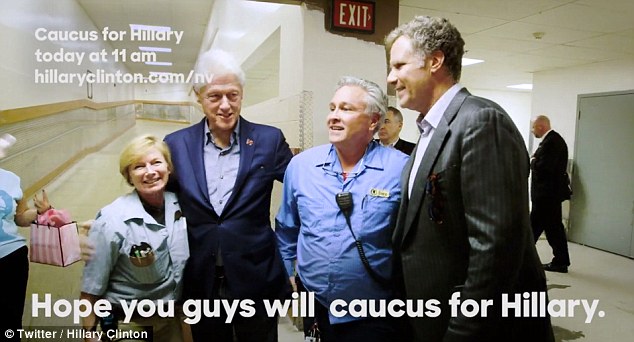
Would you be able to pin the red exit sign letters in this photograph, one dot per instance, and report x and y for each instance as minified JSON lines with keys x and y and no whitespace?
{"x":353,"y":16}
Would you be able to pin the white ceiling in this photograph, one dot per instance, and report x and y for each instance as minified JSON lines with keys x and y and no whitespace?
{"x":501,"y":32}
{"x":190,"y":16}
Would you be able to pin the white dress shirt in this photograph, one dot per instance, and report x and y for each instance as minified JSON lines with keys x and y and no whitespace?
{"x":427,"y":124}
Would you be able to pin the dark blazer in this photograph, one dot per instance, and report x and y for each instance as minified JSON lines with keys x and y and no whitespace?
{"x":548,"y":166}
{"x":476,"y":166}
{"x":253,"y":265}
{"x":403,"y":146}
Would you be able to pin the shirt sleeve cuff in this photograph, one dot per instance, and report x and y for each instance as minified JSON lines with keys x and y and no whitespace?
{"x":290,"y":267}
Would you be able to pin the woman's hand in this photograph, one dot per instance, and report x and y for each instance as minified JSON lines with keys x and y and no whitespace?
{"x":24,"y":215}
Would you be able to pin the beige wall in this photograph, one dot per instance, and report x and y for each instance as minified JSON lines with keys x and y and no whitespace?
{"x":327,"y":57}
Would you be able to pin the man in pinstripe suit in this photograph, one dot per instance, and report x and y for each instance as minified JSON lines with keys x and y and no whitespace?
{"x":463,"y":225}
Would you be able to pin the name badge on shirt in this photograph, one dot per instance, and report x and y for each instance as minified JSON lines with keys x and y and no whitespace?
{"x":374,"y":192}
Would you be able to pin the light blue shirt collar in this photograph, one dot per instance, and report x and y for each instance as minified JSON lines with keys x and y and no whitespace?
{"x":133,"y":208}
{"x":235,"y":136}
{"x":370,"y":159}
{"x":436,"y":112}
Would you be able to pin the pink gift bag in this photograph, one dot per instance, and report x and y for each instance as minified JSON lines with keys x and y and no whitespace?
{"x":58,"y":246}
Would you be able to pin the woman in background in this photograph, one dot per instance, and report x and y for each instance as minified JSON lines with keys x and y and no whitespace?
{"x":140,"y":245}
{"x":14,"y":259}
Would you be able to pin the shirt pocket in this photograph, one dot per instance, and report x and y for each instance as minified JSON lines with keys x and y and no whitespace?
{"x":153,"y":273}
{"x":379,"y":217}
{"x":315,"y":217}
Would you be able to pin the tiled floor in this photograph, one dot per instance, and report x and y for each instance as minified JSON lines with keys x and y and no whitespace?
{"x":94,"y":182}
{"x":599,"y":275}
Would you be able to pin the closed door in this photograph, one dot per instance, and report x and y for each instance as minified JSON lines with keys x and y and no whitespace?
{"x":602,"y":207}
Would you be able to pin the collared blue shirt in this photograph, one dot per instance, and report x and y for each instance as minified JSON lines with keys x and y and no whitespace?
{"x":311,"y":228}
{"x":221,"y":168}
{"x":111,"y":274}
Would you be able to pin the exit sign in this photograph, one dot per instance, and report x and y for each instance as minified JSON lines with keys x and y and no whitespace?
{"x":350,"y":15}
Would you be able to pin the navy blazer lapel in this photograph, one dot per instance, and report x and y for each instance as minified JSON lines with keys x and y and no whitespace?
{"x":194,"y":146}
{"x":441,"y":134}
{"x":248,"y":143}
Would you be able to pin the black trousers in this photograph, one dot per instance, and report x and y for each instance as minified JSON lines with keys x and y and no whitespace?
{"x":546,"y":217}
{"x":15,"y":267}
{"x":259,"y":328}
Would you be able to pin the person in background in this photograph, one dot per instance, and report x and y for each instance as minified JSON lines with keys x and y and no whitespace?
{"x":549,"y":187}
{"x":463,"y":227}
{"x":319,"y":232}
{"x":140,"y":245}
{"x":391,"y":129}
{"x":14,"y":256}
{"x":226,"y":169}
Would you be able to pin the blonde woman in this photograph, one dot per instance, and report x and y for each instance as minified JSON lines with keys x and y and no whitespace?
{"x":140,"y":246}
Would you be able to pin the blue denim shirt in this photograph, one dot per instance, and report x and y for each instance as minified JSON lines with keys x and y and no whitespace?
{"x":311,"y":228}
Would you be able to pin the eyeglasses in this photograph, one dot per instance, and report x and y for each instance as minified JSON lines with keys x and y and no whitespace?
{"x":434,"y":210}
{"x":328,"y":166}
{"x":345,"y":175}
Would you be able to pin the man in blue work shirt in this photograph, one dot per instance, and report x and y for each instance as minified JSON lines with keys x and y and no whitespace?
{"x":342,"y":245}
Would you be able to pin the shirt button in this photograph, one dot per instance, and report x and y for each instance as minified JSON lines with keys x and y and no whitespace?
{"x":220,"y":201}
{"x":222,"y":177}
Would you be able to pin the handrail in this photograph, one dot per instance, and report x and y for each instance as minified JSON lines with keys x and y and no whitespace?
{"x":10,"y":116}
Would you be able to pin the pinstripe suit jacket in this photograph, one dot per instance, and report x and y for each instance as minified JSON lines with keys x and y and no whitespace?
{"x":483,"y":247}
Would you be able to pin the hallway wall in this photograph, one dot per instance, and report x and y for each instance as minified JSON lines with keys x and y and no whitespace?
{"x":555,"y":92}
{"x":327,"y":57}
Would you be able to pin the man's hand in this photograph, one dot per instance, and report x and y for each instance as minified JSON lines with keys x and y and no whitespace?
{"x":293,"y":284}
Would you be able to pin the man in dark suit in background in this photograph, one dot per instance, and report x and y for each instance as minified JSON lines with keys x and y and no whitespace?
{"x":549,"y":187}
{"x":463,"y":227}
{"x":391,"y":129}
{"x":225,"y":167}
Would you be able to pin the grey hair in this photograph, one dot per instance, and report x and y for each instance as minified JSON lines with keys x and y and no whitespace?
{"x":216,"y":62}
{"x":376,"y":99}
{"x":429,"y":34}
{"x":397,"y":113}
